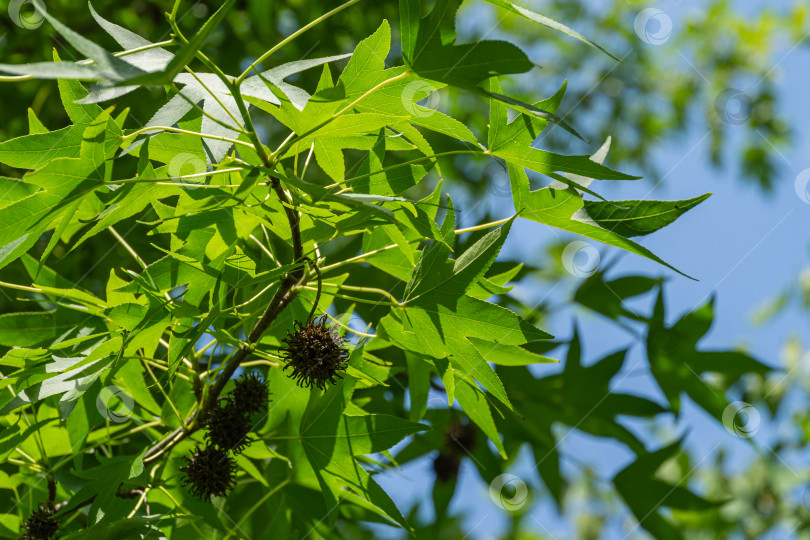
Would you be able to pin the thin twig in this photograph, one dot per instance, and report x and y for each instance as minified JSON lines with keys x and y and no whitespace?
{"x":317,"y":295}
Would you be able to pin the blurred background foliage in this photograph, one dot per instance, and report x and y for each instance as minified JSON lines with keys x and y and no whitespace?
{"x":646,"y":101}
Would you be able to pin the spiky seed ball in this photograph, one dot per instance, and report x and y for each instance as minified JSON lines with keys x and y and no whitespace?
{"x":460,"y":437}
{"x":250,"y":393}
{"x":228,"y":427}
{"x":41,"y":525}
{"x":315,"y":352}
{"x":209,"y":472}
{"x":446,"y":466}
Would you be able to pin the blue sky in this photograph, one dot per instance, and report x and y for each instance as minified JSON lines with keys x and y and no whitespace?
{"x":743,"y":247}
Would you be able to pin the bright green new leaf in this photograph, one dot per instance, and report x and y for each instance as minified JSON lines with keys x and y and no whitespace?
{"x":637,"y":218}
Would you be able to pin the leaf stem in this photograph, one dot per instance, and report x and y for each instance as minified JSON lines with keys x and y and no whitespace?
{"x":484,"y":226}
{"x":291,"y":37}
{"x":126,"y":245}
{"x":356,"y":299}
{"x":181,"y":177}
{"x":86,"y":62}
{"x":202,"y":111}
{"x":358,"y":258}
{"x":375,"y":290}
{"x":257,"y":505}
{"x":21,"y":463}
{"x":283,"y":148}
{"x":285,"y":294}
{"x":185,"y":132}
{"x":317,"y":295}
{"x":163,"y":391}
{"x":362,"y":256}
{"x":20,"y":287}
{"x":254,"y":363}
{"x":213,"y":95}
{"x":405,"y":163}
{"x":352,"y":330}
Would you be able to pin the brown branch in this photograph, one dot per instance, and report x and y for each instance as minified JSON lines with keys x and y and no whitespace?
{"x":51,"y":490}
{"x":121,"y":493}
{"x":285,"y":294}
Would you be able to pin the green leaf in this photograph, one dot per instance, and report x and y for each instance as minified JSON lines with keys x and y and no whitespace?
{"x":545,"y":21}
{"x":538,"y":115}
{"x":54,"y":70}
{"x":28,"y":329}
{"x":410,"y":12}
{"x":70,"y":92}
{"x":63,"y":181}
{"x":512,"y":141}
{"x":128,"y":316}
{"x":134,"y":528}
{"x":563,"y":209}
{"x":102,"y":483}
{"x":441,"y":331}
{"x":431,"y":53}
{"x":646,"y":495}
{"x":637,"y":218}
{"x":466,"y":270}
{"x":434,"y":260}
{"x":331,"y":139}
{"x":373,"y":178}
{"x":475,"y":405}
{"x":71,"y":385}
{"x":521,"y":155}
{"x":418,"y":385}
{"x":507,"y":355}
{"x":34,"y":125}
{"x":15,"y":190}
{"x":608,"y":296}
{"x":187,"y":52}
{"x":494,"y":285}
{"x":677,"y":364}
{"x":330,"y":439}
{"x":365,"y":67}
{"x":34,"y":151}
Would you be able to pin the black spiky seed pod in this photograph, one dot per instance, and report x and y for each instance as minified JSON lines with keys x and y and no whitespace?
{"x":445,"y":465}
{"x":228,"y":427}
{"x":41,"y":524}
{"x":315,"y":352}
{"x":250,"y":393}
{"x":209,"y":472}
{"x":460,"y":437}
